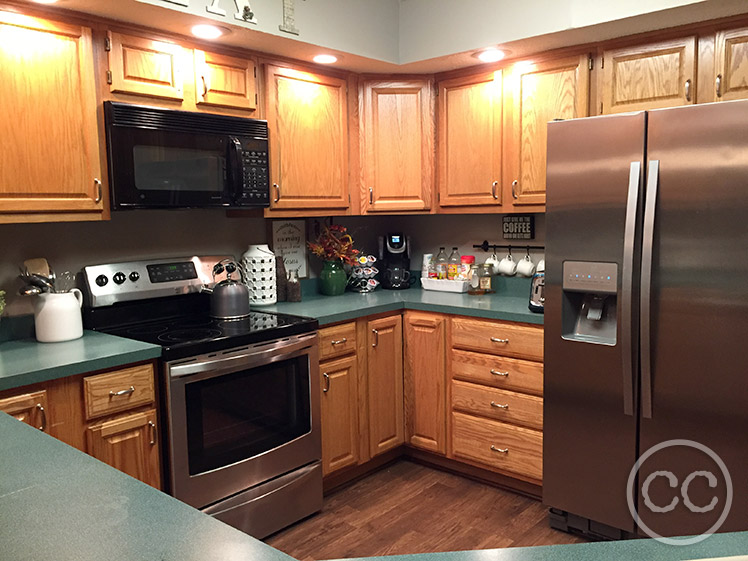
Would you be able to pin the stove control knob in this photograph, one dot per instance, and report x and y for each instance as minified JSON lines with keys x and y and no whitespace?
{"x":102,"y":280}
{"x":119,"y":278}
{"x":134,"y":276}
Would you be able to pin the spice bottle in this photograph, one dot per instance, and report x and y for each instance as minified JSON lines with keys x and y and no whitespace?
{"x":465,"y":263}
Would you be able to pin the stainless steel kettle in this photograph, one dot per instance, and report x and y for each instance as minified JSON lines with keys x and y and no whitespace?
{"x":229,"y":299}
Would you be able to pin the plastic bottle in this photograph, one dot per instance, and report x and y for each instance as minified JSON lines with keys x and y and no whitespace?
{"x":441,"y":264}
{"x":432,"y":267}
{"x":453,"y":267}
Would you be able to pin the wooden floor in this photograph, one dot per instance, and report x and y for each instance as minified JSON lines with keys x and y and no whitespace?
{"x":410,"y":508}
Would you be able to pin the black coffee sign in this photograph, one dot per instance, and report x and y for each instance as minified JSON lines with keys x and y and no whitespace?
{"x":518,"y":227}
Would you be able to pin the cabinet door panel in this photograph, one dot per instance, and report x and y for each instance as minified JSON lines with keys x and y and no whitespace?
{"x":224,"y":81}
{"x":649,"y":76}
{"x":308,"y":139}
{"x":537,"y":94}
{"x":30,"y":408}
{"x":145,"y":66}
{"x":339,"y":389}
{"x":129,"y":444}
{"x":50,"y":156}
{"x":731,"y":52}
{"x":397,"y":131}
{"x":385,"y":383}
{"x":425,"y":381}
{"x":470,"y":143}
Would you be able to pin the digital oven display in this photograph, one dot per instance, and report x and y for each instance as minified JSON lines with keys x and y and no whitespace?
{"x":168,"y":272}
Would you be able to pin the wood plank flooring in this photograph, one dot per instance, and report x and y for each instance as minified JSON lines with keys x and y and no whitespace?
{"x":410,"y":508}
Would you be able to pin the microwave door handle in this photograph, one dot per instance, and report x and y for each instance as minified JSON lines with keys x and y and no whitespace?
{"x":236,"y":169}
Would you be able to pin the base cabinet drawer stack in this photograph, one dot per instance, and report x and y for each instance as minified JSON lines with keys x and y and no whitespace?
{"x":496,"y":387}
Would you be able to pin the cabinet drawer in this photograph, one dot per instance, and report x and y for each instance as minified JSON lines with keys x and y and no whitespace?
{"x":498,"y":445}
{"x":509,"y":407}
{"x":337,"y":340}
{"x":499,"y":372}
{"x":118,"y":391}
{"x":497,"y":337}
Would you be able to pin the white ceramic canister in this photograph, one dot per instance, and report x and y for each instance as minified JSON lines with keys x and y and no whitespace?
{"x":57,"y":316}
{"x":259,"y":265}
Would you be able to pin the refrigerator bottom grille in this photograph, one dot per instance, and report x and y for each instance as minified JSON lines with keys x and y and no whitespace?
{"x":568,"y":522}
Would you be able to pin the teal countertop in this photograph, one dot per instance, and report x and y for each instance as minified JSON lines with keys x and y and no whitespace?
{"x":58,"y":503}
{"x":503,"y":305}
{"x":25,"y":361}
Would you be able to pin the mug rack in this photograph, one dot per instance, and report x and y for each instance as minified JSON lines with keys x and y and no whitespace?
{"x":485,"y":246}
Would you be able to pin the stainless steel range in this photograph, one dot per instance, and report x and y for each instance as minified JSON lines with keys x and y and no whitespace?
{"x":241,"y":426}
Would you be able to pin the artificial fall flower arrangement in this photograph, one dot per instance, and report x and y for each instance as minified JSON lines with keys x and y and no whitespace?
{"x":334,"y":243}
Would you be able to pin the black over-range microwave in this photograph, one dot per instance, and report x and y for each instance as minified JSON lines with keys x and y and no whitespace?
{"x":161,"y":158}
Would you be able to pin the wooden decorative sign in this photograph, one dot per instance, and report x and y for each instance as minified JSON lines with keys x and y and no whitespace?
{"x":518,"y":227}
{"x":289,"y":241}
{"x":289,"y":18}
{"x":220,"y":8}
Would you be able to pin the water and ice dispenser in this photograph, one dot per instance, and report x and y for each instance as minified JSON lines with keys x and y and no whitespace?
{"x":590,"y":305}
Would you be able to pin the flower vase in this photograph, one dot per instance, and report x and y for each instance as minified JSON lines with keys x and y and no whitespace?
{"x":332,"y":279}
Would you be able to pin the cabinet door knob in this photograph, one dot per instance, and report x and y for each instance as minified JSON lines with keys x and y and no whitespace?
{"x":326,"y":376}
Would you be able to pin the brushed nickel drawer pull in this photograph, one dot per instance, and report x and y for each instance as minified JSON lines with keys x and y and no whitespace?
{"x":339,"y":341}
{"x":376,"y":337}
{"x":497,"y":373}
{"x":326,"y":376}
{"x":493,"y":190}
{"x":371,"y":195}
{"x":718,"y":83}
{"x":497,"y":340}
{"x":43,"y":413}
{"x":277,"y":192}
{"x":688,"y":90}
{"x":500,"y":450}
{"x":152,"y":426}
{"x":97,"y":182}
{"x":499,"y":405}
{"x":120,"y":393}
{"x":515,"y":183}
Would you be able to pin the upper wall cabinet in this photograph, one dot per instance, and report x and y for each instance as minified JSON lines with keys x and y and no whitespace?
{"x":731,"y":64}
{"x":649,"y":76}
{"x":397,"y":145}
{"x":225,"y":81}
{"x":534,"y":95}
{"x":49,"y":163}
{"x":307,"y":118}
{"x":470,"y":141}
{"x":144,"y":66}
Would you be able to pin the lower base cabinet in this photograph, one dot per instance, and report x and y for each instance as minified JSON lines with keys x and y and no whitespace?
{"x":110,"y":415}
{"x":339,"y":410}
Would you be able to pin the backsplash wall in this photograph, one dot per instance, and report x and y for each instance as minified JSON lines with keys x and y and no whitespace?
{"x":168,"y":233}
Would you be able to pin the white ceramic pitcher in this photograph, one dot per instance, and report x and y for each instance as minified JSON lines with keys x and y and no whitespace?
{"x":57,"y":316}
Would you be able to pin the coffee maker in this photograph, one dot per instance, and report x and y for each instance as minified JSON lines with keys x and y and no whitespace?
{"x":394,"y":259}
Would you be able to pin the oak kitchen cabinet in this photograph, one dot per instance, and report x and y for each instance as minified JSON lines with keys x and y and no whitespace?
{"x":194,"y":78}
{"x":397,"y":145}
{"x":109,"y":415}
{"x":649,"y":76}
{"x":48,"y":92}
{"x":535,"y":94}
{"x":731,"y":64}
{"x":469,"y":141}
{"x":425,"y":379}
{"x":307,"y":119}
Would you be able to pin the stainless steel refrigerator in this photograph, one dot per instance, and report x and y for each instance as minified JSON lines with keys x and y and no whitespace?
{"x":646,"y":321}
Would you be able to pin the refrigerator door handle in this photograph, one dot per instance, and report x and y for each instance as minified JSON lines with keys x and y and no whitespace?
{"x":627,"y":282}
{"x":653,"y":182}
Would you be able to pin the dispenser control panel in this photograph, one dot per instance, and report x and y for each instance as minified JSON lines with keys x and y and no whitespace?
{"x":591,"y":277}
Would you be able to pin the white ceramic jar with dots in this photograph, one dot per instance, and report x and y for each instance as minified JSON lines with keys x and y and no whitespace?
{"x":259,"y":265}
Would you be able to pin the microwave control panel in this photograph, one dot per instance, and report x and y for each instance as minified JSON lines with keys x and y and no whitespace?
{"x":255,"y":189}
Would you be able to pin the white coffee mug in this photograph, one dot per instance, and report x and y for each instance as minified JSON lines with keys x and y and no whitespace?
{"x":493,"y":263}
{"x":525,"y":267}
{"x":508,"y":266}
{"x":541,"y":266}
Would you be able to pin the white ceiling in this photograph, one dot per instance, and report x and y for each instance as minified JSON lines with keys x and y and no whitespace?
{"x":424,"y":36}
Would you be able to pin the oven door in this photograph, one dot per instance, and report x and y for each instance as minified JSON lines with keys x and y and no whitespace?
{"x":241,"y":417}
{"x":152,"y":168}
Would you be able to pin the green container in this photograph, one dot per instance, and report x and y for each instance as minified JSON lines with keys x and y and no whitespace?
{"x":332,"y":279}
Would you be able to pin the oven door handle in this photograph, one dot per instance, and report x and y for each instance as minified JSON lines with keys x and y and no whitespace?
{"x":249,"y":357}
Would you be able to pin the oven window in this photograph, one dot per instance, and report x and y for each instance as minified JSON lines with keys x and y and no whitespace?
{"x":168,"y":168}
{"x":240,"y":415}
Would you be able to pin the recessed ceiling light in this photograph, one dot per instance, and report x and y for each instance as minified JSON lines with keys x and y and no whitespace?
{"x":208,"y":31}
{"x":490,"y":55}
{"x":325,"y":59}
